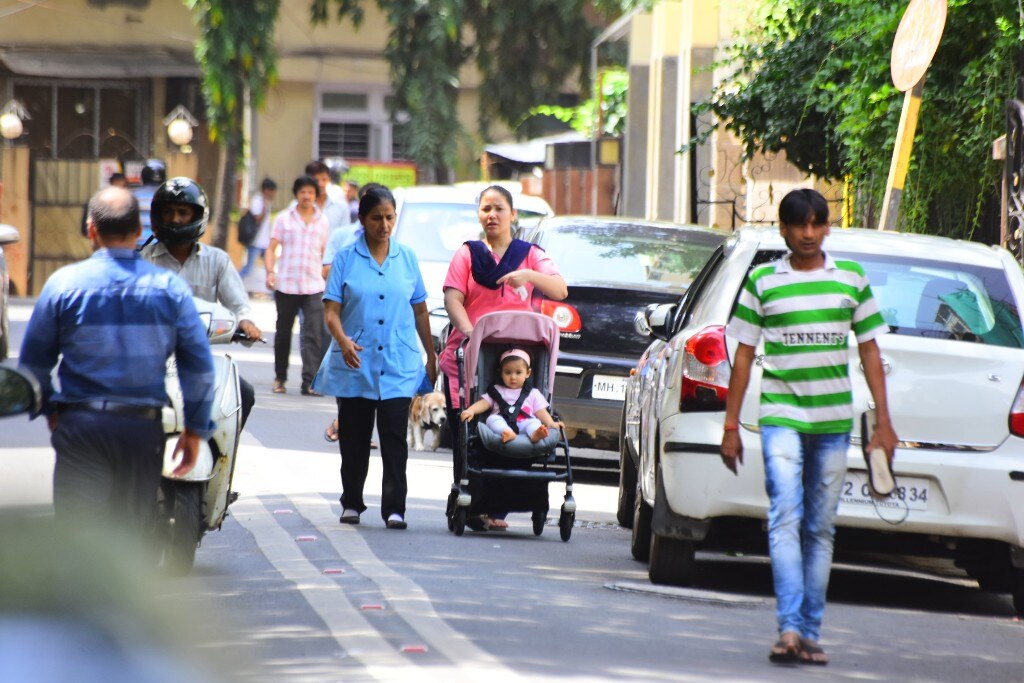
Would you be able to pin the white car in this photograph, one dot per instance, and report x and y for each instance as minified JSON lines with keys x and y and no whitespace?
{"x":954,"y":364}
{"x":436,"y":219}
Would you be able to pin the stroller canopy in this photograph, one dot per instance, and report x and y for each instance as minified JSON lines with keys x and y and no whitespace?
{"x":510,"y":327}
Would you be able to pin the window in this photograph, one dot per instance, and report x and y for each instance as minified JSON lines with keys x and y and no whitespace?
{"x":349,"y":140}
{"x":944,"y":300}
{"x":357,"y":124}
{"x":85,"y":120}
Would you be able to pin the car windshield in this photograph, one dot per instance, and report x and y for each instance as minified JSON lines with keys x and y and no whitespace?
{"x":435,"y":231}
{"x":658,"y":257}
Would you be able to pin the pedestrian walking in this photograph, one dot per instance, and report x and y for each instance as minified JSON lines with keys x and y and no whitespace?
{"x":375,"y":309}
{"x":497,"y":273}
{"x":341,"y":238}
{"x":804,"y":306}
{"x":297,"y":282}
{"x":113,"y":320}
{"x":180,"y":213}
{"x":334,"y":211}
{"x":259,"y":207}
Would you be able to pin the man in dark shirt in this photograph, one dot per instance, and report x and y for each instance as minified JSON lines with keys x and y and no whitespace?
{"x":113,"y":320}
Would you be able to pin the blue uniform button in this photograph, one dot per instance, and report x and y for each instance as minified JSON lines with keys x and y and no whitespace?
{"x":381,"y":322}
{"x":382,"y":297}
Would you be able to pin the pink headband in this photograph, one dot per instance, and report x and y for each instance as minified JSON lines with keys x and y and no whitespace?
{"x":518,"y":353}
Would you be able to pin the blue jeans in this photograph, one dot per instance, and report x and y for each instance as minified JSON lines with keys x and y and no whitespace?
{"x":252,"y":253}
{"x":803,"y":476}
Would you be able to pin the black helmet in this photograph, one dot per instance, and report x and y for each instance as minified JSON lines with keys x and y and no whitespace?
{"x":154,"y":172}
{"x":179,"y":191}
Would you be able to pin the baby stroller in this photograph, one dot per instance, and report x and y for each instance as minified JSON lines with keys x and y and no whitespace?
{"x":492,"y":477}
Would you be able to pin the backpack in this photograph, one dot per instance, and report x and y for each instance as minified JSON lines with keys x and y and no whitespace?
{"x":248,"y":226}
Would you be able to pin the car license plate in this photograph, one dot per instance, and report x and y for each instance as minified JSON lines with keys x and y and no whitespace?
{"x":609,"y":387}
{"x":911,"y":492}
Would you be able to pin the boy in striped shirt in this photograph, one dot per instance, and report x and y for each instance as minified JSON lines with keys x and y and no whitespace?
{"x":804,"y":305}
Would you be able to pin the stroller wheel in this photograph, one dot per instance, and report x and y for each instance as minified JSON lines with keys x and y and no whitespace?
{"x":459,"y":521}
{"x":539,"y":518}
{"x":565,"y":522}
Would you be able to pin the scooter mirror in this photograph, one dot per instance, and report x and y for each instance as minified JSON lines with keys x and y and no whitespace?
{"x":19,"y":392}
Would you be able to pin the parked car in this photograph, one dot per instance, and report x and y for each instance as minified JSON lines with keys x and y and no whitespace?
{"x":8,"y":235}
{"x":954,"y":364}
{"x":435,"y":220}
{"x":613,"y":267}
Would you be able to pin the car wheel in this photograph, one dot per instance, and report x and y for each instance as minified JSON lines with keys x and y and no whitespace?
{"x":672,"y":561}
{"x":1017,"y":589}
{"x":640,"y":544}
{"x":627,"y":481}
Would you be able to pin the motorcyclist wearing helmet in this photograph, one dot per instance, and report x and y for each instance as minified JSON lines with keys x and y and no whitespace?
{"x":179,"y":214}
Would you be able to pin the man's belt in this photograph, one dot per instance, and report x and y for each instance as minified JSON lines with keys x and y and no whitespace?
{"x":124,"y":409}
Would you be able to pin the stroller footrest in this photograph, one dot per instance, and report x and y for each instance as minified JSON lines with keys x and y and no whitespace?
{"x":544,"y":475}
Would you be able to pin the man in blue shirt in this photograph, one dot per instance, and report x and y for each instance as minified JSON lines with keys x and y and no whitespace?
{"x":113,"y":320}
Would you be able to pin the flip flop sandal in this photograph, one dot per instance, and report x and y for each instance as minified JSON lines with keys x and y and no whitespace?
{"x":808,"y":652}
{"x":785,"y":653}
{"x":331,"y":433}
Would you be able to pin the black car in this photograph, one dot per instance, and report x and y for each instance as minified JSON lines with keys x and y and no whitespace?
{"x":614,"y":267}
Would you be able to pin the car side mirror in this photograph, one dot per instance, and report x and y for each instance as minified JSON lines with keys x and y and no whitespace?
{"x":19,"y":392}
{"x":655,"y":320}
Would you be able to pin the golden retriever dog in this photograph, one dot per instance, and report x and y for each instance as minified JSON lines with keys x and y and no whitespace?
{"x":426,"y":413}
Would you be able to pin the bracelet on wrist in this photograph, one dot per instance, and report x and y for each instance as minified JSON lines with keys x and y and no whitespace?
{"x":730,"y":428}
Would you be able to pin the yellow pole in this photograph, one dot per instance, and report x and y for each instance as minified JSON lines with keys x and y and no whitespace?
{"x":901,"y":157}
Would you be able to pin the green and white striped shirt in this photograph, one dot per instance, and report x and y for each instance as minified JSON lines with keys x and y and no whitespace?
{"x":805,"y":318}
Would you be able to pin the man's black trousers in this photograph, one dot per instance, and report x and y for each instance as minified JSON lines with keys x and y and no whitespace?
{"x":311,"y":330}
{"x":108,"y":467}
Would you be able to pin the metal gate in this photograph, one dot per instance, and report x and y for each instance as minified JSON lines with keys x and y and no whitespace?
{"x":60,"y":190}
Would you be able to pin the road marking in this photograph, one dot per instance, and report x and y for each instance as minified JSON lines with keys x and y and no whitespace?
{"x":404,"y":597}
{"x":347,"y":625}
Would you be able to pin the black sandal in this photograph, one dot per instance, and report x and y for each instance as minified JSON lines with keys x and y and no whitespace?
{"x":786,"y":652}
{"x":331,"y":433}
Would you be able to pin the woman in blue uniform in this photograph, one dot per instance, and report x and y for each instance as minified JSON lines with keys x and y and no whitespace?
{"x":375,"y":308}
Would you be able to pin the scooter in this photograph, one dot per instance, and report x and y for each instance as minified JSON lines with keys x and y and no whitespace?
{"x":191,"y":505}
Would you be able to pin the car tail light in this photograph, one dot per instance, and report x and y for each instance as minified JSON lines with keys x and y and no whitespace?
{"x":706,"y":371}
{"x":565,"y":316}
{"x":1017,"y":413}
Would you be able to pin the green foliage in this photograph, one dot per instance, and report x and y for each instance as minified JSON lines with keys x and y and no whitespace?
{"x":812,"y":80}
{"x":524,"y":50}
{"x":236,"y":52}
{"x":582,"y":118}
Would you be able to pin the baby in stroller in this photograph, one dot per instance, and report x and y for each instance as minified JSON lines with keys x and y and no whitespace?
{"x":516,"y":410}
{"x":498,"y":471}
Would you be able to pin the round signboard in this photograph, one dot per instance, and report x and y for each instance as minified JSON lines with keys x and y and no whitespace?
{"x":916,"y":41}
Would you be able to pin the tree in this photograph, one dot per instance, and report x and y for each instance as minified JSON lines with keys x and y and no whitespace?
{"x":583,"y":117}
{"x":525,"y":51}
{"x":236,"y":54}
{"x":812,"y":80}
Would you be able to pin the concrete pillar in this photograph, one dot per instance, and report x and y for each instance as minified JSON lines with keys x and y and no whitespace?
{"x":634,"y":177}
{"x":16,"y":210}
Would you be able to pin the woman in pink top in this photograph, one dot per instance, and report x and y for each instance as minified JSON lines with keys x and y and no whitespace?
{"x":497,"y":273}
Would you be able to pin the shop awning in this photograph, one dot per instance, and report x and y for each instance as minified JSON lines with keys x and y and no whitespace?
{"x":61,"y":63}
{"x":531,"y":151}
